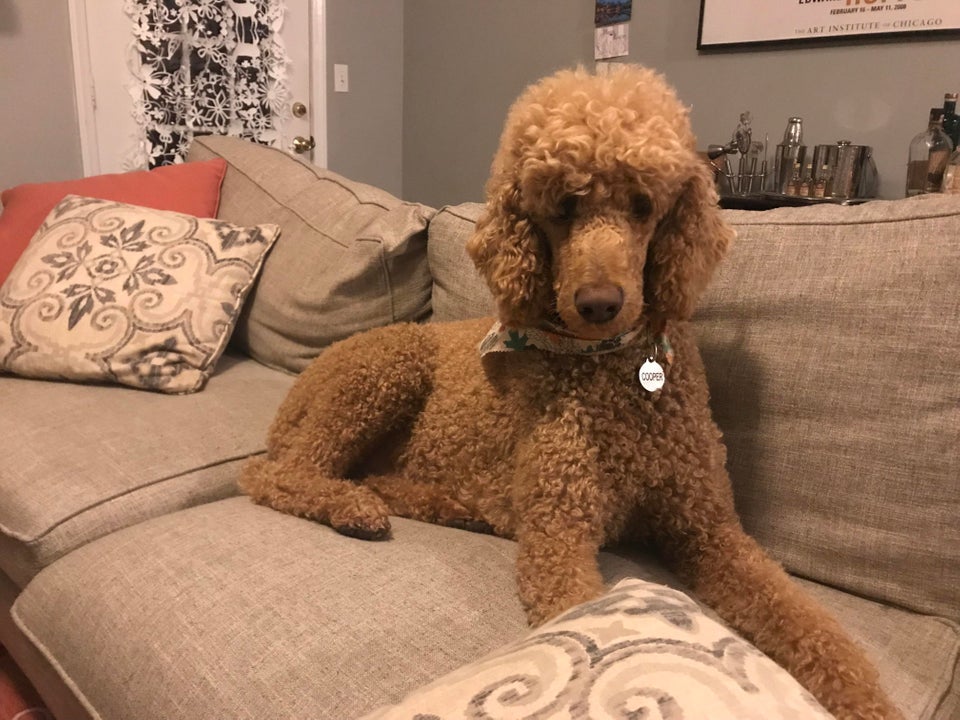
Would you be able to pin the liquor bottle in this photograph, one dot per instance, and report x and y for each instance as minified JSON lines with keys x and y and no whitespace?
{"x":951,"y":175}
{"x":820,"y":184}
{"x":927,"y":158}
{"x":789,"y":152}
{"x":951,"y":121}
{"x":806,"y":182}
{"x":793,"y":184}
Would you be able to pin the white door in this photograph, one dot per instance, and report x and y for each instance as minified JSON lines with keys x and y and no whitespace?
{"x":105,"y":85}
{"x":304,"y":34}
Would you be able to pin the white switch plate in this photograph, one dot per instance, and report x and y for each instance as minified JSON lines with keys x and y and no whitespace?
{"x":341,"y":79}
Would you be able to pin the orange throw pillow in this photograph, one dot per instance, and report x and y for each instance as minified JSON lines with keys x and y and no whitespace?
{"x":191,"y":189}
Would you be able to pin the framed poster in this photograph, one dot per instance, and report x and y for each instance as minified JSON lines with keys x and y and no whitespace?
{"x":734,"y":23}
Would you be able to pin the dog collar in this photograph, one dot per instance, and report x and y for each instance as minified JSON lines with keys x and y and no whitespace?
{"x":503,"y":338}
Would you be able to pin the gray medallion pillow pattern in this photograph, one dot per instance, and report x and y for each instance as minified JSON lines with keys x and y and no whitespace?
{"x":641,"y":651}
{"x":117,"y":293}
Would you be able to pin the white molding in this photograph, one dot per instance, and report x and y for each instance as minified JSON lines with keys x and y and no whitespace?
{"x":84,"y":89}
{"x":318,"y":80}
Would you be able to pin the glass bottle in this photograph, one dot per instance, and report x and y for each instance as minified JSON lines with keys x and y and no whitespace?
{"x":951,"y":121}
{"x":951,"y":175}
{"x":927,"y":158}
{"x":789,"y":153}
{"x":820,"y":184}
{"x":806,"y":182}
{"x":793,"y":185}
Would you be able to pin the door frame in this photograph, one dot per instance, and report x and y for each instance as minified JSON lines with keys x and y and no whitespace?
{"x":318,"y":80}
{"x":86,"y":97}
{"x":84,"y":91}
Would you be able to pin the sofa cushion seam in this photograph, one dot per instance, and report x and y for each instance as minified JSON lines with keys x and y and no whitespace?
{"x":318,"y":178}
{"x":846,"y":223}
{"x":54,"y":662}
{"x":34,"y":540}
{"x":449,"y":211}
{"x":950,"y":673}
{"x":382,"y":262}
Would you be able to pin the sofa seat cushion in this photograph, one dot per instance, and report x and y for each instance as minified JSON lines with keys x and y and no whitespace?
{"x":233,"y":610}
{"x":640,"y":650}
{"x":80,"y":461}
{"x":351,"y":256}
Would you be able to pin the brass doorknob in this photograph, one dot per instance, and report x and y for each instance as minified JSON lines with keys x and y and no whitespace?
{"x":302,"y":144}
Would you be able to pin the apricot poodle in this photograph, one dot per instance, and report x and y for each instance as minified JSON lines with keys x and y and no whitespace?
{"x":601,"y":229}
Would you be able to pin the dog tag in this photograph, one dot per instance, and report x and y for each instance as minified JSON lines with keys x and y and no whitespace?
{"x":651,"y":376}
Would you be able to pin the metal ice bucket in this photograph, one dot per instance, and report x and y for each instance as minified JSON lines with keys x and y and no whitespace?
{"x":849,"y":170}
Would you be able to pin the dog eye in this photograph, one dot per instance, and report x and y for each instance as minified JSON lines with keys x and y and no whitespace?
{"x":640,"y":207}
{"x":567,"y":209}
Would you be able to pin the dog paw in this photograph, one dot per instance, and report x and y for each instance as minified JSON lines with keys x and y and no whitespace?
{"x":542,"y":607}
{"x":470,"y":525}
{"x":365,"y":531}
{"x":365,"y":518}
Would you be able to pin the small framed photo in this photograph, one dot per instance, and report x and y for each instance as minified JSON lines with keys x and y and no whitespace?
{"x":726,"y":24}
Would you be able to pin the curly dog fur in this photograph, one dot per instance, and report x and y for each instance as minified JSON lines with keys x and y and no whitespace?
{"x":596,"y":191}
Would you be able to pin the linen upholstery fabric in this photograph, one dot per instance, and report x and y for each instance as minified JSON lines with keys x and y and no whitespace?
{"x":80,"y":461}
{"x":190,"y":188}
{"x":459,"y":292}
{"x":845,"y":465}
{"x":640,"y":650}
{"x":269,"y":615}
{"x":836,"y":381}
{"x":120,"y":293}
{"x":351,"y":256}
{"x":57,"y":696}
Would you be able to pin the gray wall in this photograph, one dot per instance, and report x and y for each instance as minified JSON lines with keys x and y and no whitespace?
{"x":465,"y":61}
{"x":365,"y":125}
{"x":39,"y":135}
{"x":464,"y":64}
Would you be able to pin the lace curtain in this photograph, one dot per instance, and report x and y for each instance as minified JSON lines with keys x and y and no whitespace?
{"x":205,"y":67}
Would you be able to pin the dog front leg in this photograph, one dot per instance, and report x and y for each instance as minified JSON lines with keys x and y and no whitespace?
{"x":731,"y":573}
{"x":556,"y":571}
{"x":560,"y":519}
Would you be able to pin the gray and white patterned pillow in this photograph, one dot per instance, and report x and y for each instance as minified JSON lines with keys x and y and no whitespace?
{"x":118,"y":293}
{"x":642,"y":650}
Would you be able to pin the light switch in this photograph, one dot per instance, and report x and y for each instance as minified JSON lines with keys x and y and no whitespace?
{"x":341,"y":80}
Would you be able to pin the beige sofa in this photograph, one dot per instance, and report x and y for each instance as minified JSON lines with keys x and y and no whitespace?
{"x":136,"y":585}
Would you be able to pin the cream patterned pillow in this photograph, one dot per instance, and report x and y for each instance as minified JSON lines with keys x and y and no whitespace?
{"x":118,"y":293}
{"x":641,"y":651}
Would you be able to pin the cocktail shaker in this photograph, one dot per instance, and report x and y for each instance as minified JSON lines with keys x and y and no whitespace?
{"x":790,"y":153}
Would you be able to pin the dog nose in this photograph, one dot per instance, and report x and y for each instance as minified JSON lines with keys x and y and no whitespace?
{"x":598,"y":303}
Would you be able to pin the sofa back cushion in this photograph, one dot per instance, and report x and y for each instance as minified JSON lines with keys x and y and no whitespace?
{"x":350,"y":256}
{"x":831,"y":338}
{"x":459,"y":292}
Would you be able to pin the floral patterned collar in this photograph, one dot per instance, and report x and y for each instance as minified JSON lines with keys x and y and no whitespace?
{"x":552,"y":338}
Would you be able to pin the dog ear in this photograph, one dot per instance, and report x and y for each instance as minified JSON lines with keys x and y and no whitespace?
{"x":507,"y":249}
{"x":688,"y":244}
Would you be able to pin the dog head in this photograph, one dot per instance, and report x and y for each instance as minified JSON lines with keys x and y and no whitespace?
{"x":599,"y":211}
